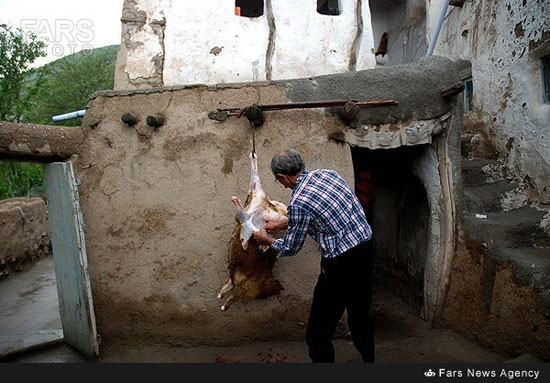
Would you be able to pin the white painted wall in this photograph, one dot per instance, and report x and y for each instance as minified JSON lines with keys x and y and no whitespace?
{"x":405,"y":23}
{"x":205,"y":42}
{"x":148,"y":45}
{"x":197,"y":30}
{"x":308,"y":43}
{"x":504,"y":41}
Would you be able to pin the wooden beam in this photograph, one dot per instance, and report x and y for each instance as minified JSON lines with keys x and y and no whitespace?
{"x":38,"y":143}
{"x":449,"y":93}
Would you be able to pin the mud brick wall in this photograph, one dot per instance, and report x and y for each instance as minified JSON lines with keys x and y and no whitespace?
{"x":24,"y":233}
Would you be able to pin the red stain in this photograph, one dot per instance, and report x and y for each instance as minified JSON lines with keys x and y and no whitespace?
{"x":270,"y":359}
{"x":219,"y":359}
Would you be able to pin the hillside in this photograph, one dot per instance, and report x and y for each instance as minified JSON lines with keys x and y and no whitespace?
{"x":62,"y":86}
{"x":65,"y":85}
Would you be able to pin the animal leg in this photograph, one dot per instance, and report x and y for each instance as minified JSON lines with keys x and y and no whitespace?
{"x":228,"y":286}
{"x":228,"y":302}
{"x":255,"y":184}
{"x":240,"y":209}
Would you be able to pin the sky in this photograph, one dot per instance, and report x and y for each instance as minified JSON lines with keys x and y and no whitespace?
{"x":67,"y":26}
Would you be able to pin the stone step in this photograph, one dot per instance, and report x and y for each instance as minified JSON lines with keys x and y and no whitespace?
{"x":518,"y":228}
{"x":486,"y":198}
{"x":516,"y":237}
{"x":473,"y":173}
{"x":474,"y":145}
{"x":19,"y":343}
{"x":532,"y":266}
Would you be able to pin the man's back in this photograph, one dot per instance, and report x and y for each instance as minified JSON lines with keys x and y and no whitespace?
{"x":337,"y":221}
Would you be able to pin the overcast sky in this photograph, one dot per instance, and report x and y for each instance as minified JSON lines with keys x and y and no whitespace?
{"x":67,"y":26}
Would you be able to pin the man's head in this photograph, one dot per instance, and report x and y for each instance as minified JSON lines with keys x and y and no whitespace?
{"x":287,"y":166}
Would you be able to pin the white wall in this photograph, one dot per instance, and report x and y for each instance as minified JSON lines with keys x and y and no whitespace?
{"x":308,"y":43}
{"x":405,"y":23}
{"x":168,"y":42}
{"x":504,"y":41}
{"x":207,"y":43}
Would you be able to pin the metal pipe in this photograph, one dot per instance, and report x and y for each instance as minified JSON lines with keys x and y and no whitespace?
{"x":438,"y":28}
{"x":310,"y":104}
{"x":68,"y":116}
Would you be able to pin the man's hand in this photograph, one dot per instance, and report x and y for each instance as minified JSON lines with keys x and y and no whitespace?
{"x":262,"y":238}
{"x":275,"y":226}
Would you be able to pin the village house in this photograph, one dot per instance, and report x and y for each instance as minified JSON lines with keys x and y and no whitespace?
{"x":455,"y":166}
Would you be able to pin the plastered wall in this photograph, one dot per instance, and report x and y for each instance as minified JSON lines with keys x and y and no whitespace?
{"x":504,"y":41}
{"x":157,"y":210}
{"x":158,"y":215}
{"x":166,"y":42}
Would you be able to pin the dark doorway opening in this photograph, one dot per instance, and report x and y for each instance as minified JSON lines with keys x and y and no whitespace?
{"x":396,"y":206}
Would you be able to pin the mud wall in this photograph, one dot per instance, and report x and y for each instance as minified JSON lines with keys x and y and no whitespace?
{"x":24,"y":233}
{"x":501,"y":313}
{"x":156,"y":203}
{"x":158,"y":215}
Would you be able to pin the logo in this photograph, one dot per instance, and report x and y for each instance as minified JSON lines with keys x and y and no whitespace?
{"x":429,"y":373}
{"x":62,"y":36}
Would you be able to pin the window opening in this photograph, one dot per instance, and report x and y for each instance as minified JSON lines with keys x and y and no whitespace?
{"x":249,"y":8}
{"x":328,"y":7}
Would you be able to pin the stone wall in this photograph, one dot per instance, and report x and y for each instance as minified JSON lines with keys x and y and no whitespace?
{"x":24,"y":233}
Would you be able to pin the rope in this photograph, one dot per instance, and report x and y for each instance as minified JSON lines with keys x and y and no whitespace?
{"x":253,"y":138}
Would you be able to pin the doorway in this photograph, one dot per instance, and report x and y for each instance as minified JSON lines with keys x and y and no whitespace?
{"x":396,"y":206}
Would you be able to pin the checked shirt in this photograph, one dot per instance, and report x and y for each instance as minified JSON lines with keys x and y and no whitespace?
{"x":323,"y":206}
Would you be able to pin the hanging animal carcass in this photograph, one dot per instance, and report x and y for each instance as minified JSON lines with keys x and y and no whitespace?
{"x":251,"y":265}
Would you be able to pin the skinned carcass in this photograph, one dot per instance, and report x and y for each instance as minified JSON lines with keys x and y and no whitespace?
{"x":251,"y":265}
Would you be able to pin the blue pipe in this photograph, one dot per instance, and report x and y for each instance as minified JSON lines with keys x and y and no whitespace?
{"x":68,"y":116}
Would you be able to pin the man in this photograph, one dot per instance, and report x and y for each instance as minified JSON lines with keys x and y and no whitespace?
{"x":324,"y":206}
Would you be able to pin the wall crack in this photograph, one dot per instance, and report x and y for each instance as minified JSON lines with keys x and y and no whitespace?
{"x":354,"y":52}
{"x":271,"y":43}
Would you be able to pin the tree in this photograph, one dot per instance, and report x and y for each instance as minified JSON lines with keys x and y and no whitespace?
{"x":62,"y":86}
{"x":70,"y":82}
{"x":17,"y":52}
{"x":20,"y":179}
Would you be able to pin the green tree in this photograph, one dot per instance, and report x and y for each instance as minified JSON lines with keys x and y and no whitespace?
{"x":62,"y":86}
{"x":20,"y":179}
{"x":17,"y":52}
{"x":70,"y":82}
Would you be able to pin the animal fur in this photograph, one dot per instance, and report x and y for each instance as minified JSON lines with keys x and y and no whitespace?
{"x":251,"y":265}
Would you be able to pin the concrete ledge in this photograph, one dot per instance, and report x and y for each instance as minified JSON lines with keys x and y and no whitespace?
{"x":16,"y":344}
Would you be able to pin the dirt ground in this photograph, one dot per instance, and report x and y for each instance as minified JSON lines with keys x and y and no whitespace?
{"x":401,"y":337}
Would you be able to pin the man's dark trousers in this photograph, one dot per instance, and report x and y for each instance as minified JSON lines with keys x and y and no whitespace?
{"x":345,"y":283}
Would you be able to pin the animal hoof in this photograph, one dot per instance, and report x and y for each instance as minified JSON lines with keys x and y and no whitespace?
{"x":219,"y":296}
{"x":223,"y":308}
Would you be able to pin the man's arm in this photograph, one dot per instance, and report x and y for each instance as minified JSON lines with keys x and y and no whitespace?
{"x":276,"y":226}
{"x":262,"y":237}
{"x":295,"y":236}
